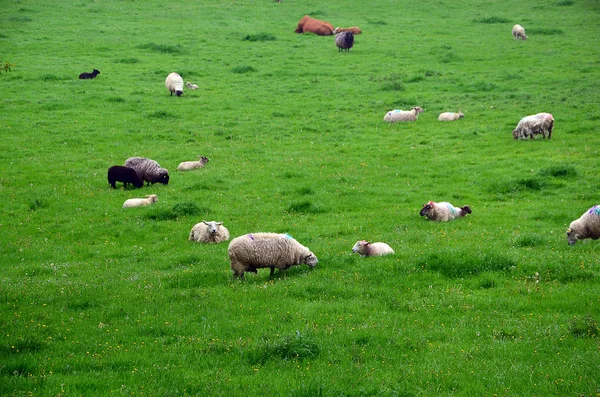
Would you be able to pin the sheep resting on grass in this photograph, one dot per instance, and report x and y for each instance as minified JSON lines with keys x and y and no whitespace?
{"x":450,"y":116}
{"x":587,"y":226}
{"x":190,"y":165}
{"x":402,"y":115}
{"x":140,"y":202}
{"x":443,"y":211}
{"x":209,"y":232}
{"x":365,"y":248}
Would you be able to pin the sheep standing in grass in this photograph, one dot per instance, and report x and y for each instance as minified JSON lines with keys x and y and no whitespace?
{"x":191,"y":86}
{"x":174,"y":84}
{"x":402,"y":115}
{"x":587,"y":226}
{"x":209,"y":232}
{"x":119,"y":173}
{"x":140,"y":202}
{"x":443,"y":211}
{"x":450,"y":116}
{"x":518,"y":32}
{"x":190,"y":165}
{"x":365,"y":248}
{"x":259,"y":250}
{"x":344,"y":41}
{"x":148,"y":170}
{"x":537,"y":124}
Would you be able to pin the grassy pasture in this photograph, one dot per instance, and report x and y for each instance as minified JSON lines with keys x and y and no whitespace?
{"x":98,"y":300}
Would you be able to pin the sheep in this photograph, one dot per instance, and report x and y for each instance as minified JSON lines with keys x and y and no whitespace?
{"x":140,"y":202}
{"x":587,"y":226}
{"x":537,"y":124}
{"x":174,"y":84}
{"x":354,"y":29}
{"x":344,"y":41}
{"x":403,"y":115}
{"x":85,"y":75}
{"x":190,"y":165}
{"x":450,"y":116}
{"x":443,"y":211}
{"x":148,"y":170}
{"x":119,"y":173}
{"x":365,"y":248}
{"x":259,"y":250}
{"x":518,"y":32}
{"x":191,"y":86}
{"x":209,"y":232}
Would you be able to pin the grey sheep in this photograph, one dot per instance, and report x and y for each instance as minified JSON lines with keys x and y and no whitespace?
{"x":344,"y":41}
{"x":209,"y":232}
{"x":443,"y":211}
{"x":587,"y":226}
{"x":174,"y":84}
{"x":148,"y":170}
{"x":537,"y":124}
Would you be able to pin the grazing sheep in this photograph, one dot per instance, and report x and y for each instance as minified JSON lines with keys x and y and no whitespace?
{"x":587,"y":226}
{"x":537,"y":124}
{"x":119,"y":173}
{"x":190,"y":165}
{"x":85,"y":75}
{"x":449,"y":116}
{"x":443,"y":212}
{"x":365,"y":248}
{"x":148,"y":170}
{"x":174,"y":84}
{"x":140,"y":202}
{"x":354,"y":29}
{"x":209,"y":232}
{"x":258,"y":250}
{"x":191,"y":86}
{"x":344,"y":41}
{"x":402,"y":115}
{"x":518,"y":32}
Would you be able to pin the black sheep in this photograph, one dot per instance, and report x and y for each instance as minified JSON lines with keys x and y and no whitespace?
{"x":92,"y":75}
{"x":344,"y":41}
{"x":119,"y":173}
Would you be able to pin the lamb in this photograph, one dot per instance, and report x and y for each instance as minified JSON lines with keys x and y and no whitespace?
{"x":354,"y":29}
{"x":365,"y":248}
{"x":190,"y":165}
{"x":450,"y":116}
{"x":443,"y":211}
{"x":86,"y":76}
{"x":587,"y":226}
{"x":140,"y":202}
{"x":537,"y":124}
{"x":259,"y":250}
{"x":191,"y":86}
{"x":148,"y":170}
{"x":518,"y":32}
{"x":174,"y":84}
{"x":119,"y":173}
{"x":403,"y":115}
{"x":209,"y":232}
{"x":344,"y":41}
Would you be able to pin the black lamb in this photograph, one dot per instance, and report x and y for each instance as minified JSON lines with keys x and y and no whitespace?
{"x":86,"y":75}
{"x":119,"y":173}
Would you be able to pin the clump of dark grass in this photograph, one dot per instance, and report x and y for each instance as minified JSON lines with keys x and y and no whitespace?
{"x":243,"y":69}
{"x":161,"y":114}
{"x":305,"y":207}
{"x":306,"y":191}
{"x":520,"y":185}
{"x":21,"y":19}
{"x":130,"y":60}
{"x":528,"y":240}
{"x":466,"y":263}
{"x":177,"y":211}
{"x":259,"y":37}
{"x":115,"y":99}
{"x":544,"y":32}
{"x":492,"y":20}
{"x":565,"y":3}
{"x":37,"y":204}
{"x":291,"y":348}
{"x":506,"y":334}
{"x":559,"y":171}
{"x":586,"y":327}
{"x":53,"y":77}
{"x":162,"y":48}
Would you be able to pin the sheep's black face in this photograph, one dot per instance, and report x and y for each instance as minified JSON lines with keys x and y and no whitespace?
{"x":425,"y":210}
{"x":164,"y":179}
{"x":178,"y":93}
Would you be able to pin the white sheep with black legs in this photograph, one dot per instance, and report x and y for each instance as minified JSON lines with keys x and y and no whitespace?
{"x":403,"y":115}
{"x":536,"y":124}
{"x":148,"y":170}
{"x":209,"y":232}
{"x":140,"y":202}
{"x":587,"y":226}
{"x":190,"y":165}
{"x":450,"y":116}
{"x":365,"y":248}
{"x":174,"y":84}
{"x":254,"y":251}
{"x":443,"y":211}
{"x":518,"y":32}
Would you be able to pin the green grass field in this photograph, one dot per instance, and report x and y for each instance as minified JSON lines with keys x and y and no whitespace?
{"x":100,"y":300}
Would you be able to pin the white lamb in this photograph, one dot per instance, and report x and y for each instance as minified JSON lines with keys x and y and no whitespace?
{"x":365,"y":248}
{"x":518,"y":32}
{"x":209,"y":232}
{"x":587,"y":226}
{"x":190,"y":165}
{"x":140,"y":202}
{"x":174,"y":84}
{"x":402,"y":115}
{"x":450,"y":116}
{"x":443,"y":211}
{"x":191,"y":86}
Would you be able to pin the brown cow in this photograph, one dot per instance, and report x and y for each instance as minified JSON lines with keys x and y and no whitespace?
{"x":308,"y":24}
{"x":354,"y":29}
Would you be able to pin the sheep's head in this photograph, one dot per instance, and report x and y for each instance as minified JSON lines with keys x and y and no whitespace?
{"x":360,"y":246}
{"x":178,"y":92}
{"x":213,"y":227}
{"x":461,"y":115}
{"x":571,"y":236}
{"x":336,"y":30}
{"x":516,"y":134}
{"x":164,"y":177}
{"x":310,"y":259}
{"x":203,"y":159}
{"x":426,"y":209}
{"x":153,"y":198}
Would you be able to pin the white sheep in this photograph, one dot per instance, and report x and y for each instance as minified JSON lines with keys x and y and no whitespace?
{"x":191,"y":86}
{"x":450,"y":116}
{"x":365,"y":248}
{"x":174,"y":84}
{"x":537,"y":124}
{"x":587,"y":226}
{"x":140,"y":202}
{"x":518,"y":32}
{"x":443,"y":211}
{"x":190,"y":165}
{"x":403,"y":115}
{"x":259,"y":250}
{"x":209,"y":232}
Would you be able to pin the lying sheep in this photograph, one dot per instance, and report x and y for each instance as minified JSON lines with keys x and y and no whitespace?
{"x":444,"y":211}
{"x":191,"y":86}
{"x":258,"y":250}
{"x":174,"y":84}
{"x":190,"y":165}
{"x":402,"y":115}
{"x":209,"y":232}
{"x":365,"y":248}
{"x":148,"y":170}
{"x":86,"y":75}
{"x":119,"y":173}
{"x":354,"y":29}
{"x":587,"y":226}
{"x":537,"y":124}
{"x":140,"y":202}
{"x":518,"y":32}
{"x":450,"y":116}
{"x":344,"y":41}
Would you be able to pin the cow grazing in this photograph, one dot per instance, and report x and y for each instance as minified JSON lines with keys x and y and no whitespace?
{"x":308,"y":24}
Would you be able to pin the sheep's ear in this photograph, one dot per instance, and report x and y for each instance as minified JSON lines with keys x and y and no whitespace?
{"x":219,"y":223}
{"x":203,"y":221}
{"x":569,"y":230}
